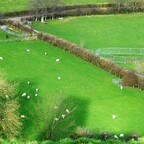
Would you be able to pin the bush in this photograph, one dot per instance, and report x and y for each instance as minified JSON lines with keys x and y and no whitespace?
{"x":104,"y":136}
{"x":9,"y":110}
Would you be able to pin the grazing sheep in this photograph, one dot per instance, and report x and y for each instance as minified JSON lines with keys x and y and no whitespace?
{"x":37,"y":89}
{"x":59,"y":78}
{"x":28,"y":97}
{"x":28,"y":82}
{"x":115,"y":137}
{"x":57,"y":60}
{"x":1,"y":58}
{"x":67,"y":111}
{"x":121,"y":135}
{"x":121,"y":87}
{"x":114,"y":116}
{"x":27,"y":50}
{"x":63,"y":116}
{"x":36,"y":94}
{"x":22,"y":116}
{"x":56,"y":119}
{"x":24,"y":94}
{"x":45,"y":53}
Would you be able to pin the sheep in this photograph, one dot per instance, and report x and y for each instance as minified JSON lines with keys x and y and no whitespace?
{"x":37,"y":89}
{"x":1,"y":58}
{"x":27,"y":50}
{"x":114,"y":116}
{"x":67,"y":111}
{"x":22,"y":116}
{"x":24,"y":94}
{"x":28,"y":82}
{"x":121,"y":135}
{"x":56,"y":119}
{"x":57,"y":60}
{"x":36,"y":94}
{"x":63,"y":116}
{"x":59,"y":78}
{"x":45,"y":53}
{"x":115,"y":137}
{"x":28,"y":97}
{"x":121,"y":87}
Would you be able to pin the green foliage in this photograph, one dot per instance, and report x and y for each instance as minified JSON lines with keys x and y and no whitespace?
{"x":9,"y":107}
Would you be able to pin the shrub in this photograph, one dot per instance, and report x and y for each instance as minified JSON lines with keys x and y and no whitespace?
{"x":133,"y":136}
{"x":83,"y":132}
{"x":9,"y":106}
{"x":104,"y":136}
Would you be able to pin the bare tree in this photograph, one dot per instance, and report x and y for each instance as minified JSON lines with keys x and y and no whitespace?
{"x":40,"y":7}
{"x":57,"y":117}
{"x":132,"y":4}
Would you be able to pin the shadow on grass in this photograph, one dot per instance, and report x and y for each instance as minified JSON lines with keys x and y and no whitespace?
{"x":74,"y":110}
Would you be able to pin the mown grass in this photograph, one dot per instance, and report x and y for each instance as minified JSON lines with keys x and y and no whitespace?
{"x":15,"y":5}
{"x":90,"y":87}
{"x":93,"y":32}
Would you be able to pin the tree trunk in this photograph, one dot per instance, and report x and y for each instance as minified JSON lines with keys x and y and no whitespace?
{"x":42,"y":19}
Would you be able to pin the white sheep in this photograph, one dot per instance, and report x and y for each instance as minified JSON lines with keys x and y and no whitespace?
{"x":28,"y":82}
{"x":121,"y":135}
{"x":57,"y":60}
{"x":37,"y":89}
{"x":63,"y":116}
{"x":115,"y":136}
{"x":36,"y":94}
{"x":114,"y":116}
{"x":67,"y":111}
{"x":121,"y":87}
{"x":22,"y":116}
{"x":45,"y":53}
{"x":27,"y":50}
{"x":1,"y":58}
{"x":56,"y":119}
{"x":59,"y":78}
{"x":28,"y":97}
{"x":24,"y":94}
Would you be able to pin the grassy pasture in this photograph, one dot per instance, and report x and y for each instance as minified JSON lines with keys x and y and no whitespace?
{"x":93,"y":32}
{"x":3,"y":35}
{"x":91,"y":89}
{"x":15,"y":5}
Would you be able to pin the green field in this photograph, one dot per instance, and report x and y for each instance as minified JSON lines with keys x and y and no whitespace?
{"x":91,"y":89}
{"x":93,"y":32}
{"x":124,"y":31}
{"x":15,"y":5}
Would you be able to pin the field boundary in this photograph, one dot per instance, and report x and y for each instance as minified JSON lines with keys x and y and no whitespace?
{"x":79,"y":10}
{"x":129,"y":78}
